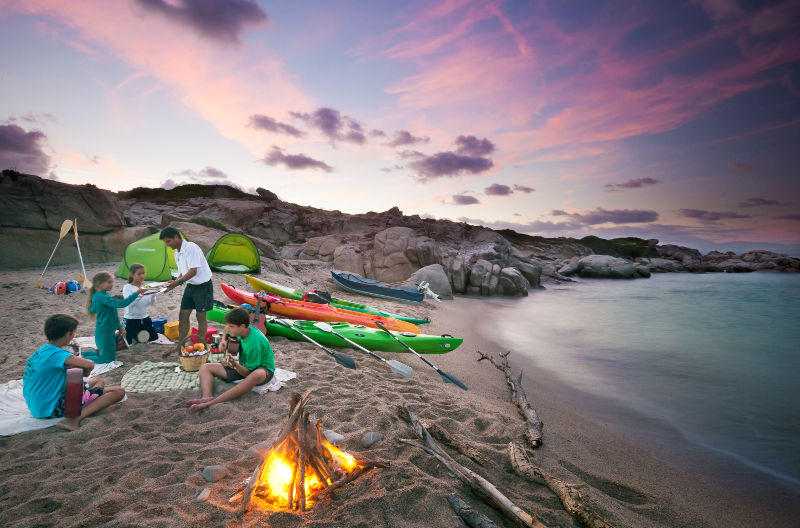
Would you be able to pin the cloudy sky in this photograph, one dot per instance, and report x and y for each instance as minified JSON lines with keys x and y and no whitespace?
{"x":672,"y":120}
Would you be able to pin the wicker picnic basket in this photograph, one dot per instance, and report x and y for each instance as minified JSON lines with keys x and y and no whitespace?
{"x":191,"y":363}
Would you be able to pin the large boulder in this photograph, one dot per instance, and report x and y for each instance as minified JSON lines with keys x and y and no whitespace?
{"x":35,"y":203}
{"x":606,"y":267}
{"x":436,"y":278}
{"x":347,"y":257}
{"x":398,"y":252}
{"x":320,"y":248}
{"x":487,"y":278}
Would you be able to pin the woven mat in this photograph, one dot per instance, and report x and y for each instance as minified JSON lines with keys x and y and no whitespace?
{"x":151,"y":377}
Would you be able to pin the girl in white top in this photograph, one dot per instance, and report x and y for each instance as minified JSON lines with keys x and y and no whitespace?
{"x":137,"y":314}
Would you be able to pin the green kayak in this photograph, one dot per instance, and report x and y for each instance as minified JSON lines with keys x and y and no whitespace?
{"x":369,"y":338}
{"x":291,"y":293}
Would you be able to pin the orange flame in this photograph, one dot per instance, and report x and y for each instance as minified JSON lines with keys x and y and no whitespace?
{"x":275,"y":479}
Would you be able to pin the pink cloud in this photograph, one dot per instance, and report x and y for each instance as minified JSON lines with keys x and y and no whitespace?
{"x":216,"y":81}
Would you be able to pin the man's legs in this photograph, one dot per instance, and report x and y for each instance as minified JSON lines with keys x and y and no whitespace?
{"x":202,"y":326}
{"x":183,"y":325}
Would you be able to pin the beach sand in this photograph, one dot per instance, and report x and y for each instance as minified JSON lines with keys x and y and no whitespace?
{"x":141,"y":464}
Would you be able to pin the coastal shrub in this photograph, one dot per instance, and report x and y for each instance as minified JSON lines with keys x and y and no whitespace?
{"x":208,"y":222}
{"x":184,"y":192}
{"x":627,"y":247}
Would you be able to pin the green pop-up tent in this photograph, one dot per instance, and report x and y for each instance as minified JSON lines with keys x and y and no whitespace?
{"x":154,"y":255}
{"x":236,"y":253}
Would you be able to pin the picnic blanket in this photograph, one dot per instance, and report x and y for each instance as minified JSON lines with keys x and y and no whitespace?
{"x":151,"y":376}
{"x":14,"y":414}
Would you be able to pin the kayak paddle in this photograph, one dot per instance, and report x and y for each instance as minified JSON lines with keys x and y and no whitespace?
{"x":397,"y":367}
{"x":342,"y":359}
{"x":65,"y":227}
{"x":81,"y":276}
{"x":448,"y":378}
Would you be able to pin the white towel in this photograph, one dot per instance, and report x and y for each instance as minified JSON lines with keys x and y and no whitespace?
{"x":14,"y":414}
{"x":278,"y":380}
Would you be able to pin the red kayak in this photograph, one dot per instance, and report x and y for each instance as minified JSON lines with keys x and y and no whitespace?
{"x":315,"y":312}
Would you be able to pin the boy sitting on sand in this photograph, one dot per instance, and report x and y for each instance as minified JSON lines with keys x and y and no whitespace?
{"x":44,"y":384}
{"x":255,"y":366}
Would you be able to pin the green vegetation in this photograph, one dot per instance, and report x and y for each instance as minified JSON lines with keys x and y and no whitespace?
{"x":183,"y":192}
{"x":208,"y":222}
{"x":628,"y":247}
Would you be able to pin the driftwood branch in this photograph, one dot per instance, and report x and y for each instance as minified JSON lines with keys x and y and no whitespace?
{"x":467,"y":514}
{"x":446,"y":438}
{"x":568,"y":494}
{"x":534,"y":431}
{"x":479,"y":485}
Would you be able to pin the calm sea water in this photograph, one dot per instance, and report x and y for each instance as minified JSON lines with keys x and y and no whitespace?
{"x":715,"y":357}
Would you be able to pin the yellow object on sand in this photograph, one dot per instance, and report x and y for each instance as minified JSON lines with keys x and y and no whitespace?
{"x":171,"y":330}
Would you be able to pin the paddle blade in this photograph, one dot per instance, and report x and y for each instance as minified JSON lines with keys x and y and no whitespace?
{"x":400,"y":368}
{"x":451,"y":379}
{"x":65,"y":227}
{"x":38,"y":283}
{"x":325,"y":327}
{"x":345,"y":360}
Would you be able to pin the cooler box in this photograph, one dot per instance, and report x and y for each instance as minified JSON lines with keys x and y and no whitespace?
{"x":209,"y":332}
{"x":171,"y":330}
{"x":158,"y":325}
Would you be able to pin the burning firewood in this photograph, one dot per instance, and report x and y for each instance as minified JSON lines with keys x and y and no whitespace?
{"x":301,"y":466}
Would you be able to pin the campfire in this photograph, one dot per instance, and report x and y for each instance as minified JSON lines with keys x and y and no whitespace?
{"x":301,"y":466}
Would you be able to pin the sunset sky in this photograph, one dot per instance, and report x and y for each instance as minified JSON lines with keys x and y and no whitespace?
{"x":673,"y":120}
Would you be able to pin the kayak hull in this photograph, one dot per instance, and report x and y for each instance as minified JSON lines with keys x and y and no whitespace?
{"x":317,"y":312}
{"x":357,"y":284}
{"x":291,"y":293}
{"x":369,"y":338}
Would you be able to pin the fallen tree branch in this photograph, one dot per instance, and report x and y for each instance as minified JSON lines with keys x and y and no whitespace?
{"x":479,"y":485}
{"x":568,"y":494}
{"x":535,"y":426}
{"x":467,"y":514}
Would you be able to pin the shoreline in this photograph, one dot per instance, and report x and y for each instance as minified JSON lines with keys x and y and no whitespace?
{"x":142,"y":463}
{"x":716,"y":485}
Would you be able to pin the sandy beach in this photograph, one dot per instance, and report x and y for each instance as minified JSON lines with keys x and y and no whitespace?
{"x":141,"y":464}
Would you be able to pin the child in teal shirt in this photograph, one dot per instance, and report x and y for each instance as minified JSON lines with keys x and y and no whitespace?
{"x":44,"y":382}
{"x":104,"y":307}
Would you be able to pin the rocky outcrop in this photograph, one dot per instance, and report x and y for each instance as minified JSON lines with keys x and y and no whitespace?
{"x":604,"y":267}
{"x":758,"y":260}
{"x":398,"y":252}
{"x":690,"y":259}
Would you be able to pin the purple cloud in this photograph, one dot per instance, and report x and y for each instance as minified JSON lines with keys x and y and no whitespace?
{"x":449,"y":164}
{"x":524,"y":189}
{"x":710,"y":216}
{"x":464,"y":199}
{"x":222,"y":20}
{"x":789,"y":217}
{"x":404,"y":137}
{"x":741,"y":167}
{"x":293,"y":161}
{"x":631,"y":184}
{"x":498,"y":189}
{"x":21,"y":150}
{"x":334,"y":125}
{"x":603,"y":216}
{"x":755,"y":202}
{"x":271,"y":125}
{"x":472,"y":146}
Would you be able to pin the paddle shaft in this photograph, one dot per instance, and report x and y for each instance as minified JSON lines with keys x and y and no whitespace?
{"x":361,"y":348}
{"x":65,"y":225}
{"x":308,"y":338}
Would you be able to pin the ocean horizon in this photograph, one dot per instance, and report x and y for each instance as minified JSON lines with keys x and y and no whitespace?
{"x":711,"y":358}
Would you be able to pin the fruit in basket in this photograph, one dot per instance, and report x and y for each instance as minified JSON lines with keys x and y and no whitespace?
{"x":199,"y":346}
{"x":187,"y":350}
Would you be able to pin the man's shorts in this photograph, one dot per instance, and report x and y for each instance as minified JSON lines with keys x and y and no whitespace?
{"x":233,"y":375}
{"x":199,"y":297}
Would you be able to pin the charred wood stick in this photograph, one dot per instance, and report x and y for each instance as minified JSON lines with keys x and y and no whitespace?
{"x":302,"y":441}
{"x":479,"y":485}
{"x":293,"y":482}
{"x":533,"y":433}
{"x":467,"y":514}
{"x":568,"y":494}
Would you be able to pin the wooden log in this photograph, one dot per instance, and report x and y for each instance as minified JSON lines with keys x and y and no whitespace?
{"x":479,"y":485}
{"x":568,"y":494}
{"x":302,"y":441}
{"x":467,"y":514}
{"x":534,"y":431}
{"x":446,"y":438}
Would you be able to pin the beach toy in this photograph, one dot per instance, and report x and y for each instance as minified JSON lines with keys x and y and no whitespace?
{"x":73,"y":285}
{"x":59,"y":288}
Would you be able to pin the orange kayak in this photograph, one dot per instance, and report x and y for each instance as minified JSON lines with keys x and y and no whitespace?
{"x":315,"y":312}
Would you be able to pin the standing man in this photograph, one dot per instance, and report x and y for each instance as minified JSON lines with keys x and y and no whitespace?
{"x":193,"y":270}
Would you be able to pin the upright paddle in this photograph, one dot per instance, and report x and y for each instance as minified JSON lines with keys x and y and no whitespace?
{"x":448,"y":378}
{"x":65,"y":227}
{"x":81,"y":276}
{"x":342,"y":359}
{"x":397,"y":367}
